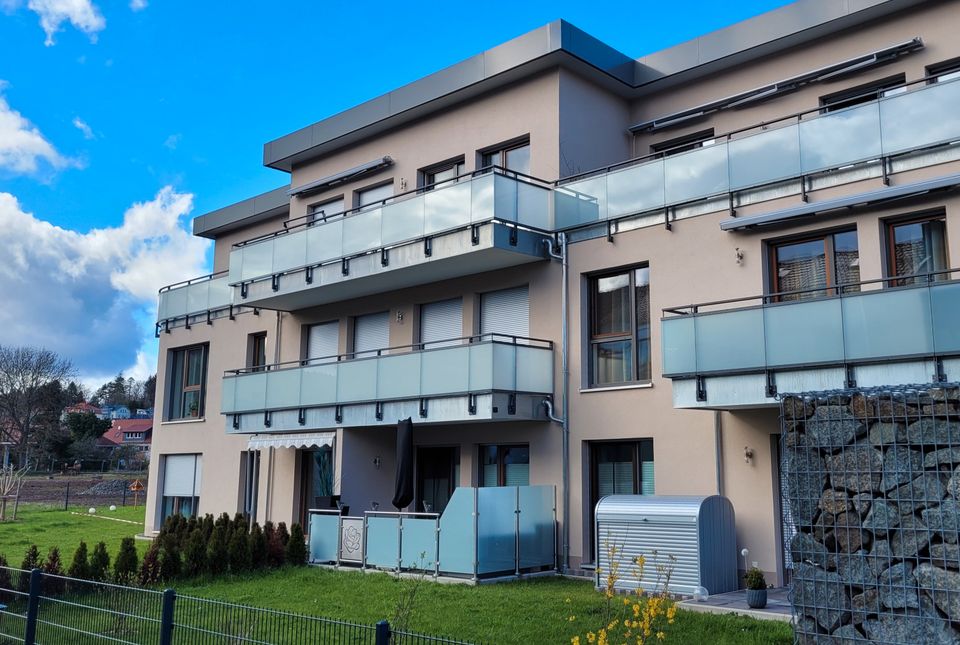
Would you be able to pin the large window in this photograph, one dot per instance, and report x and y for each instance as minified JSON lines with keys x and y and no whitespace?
{"x":512,"y":157}
{"x":620,"y":327}
{"x":444,"y":172}
{"x":188,"y":377}
{"x":257,"y":351}
{"x":181,"y":485}
{"x":323,"y":211}
{"x":863,"y":93}
{"x":917,"y":248}
{"x":815,"y":266}
{"x":622,"y":468}
{"x":505,"y":465}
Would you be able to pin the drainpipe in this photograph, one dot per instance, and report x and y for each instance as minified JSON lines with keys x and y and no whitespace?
{"x":564,"y":419}
{"x":718,"y":447}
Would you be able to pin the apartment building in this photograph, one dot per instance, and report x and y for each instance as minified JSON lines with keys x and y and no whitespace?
{"x":654,"y":247}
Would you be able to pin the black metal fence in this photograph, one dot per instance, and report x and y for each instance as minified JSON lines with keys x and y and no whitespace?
{"x":871,"y":511}
{"x":42,"y":609}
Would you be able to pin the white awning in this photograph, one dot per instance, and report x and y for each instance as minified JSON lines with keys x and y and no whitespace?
{"x":310,"y":440}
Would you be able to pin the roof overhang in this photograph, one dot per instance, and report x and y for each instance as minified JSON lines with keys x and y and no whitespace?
{"x":250,"y":211}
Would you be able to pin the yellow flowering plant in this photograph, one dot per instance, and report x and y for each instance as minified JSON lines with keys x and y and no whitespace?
{"x":643,"y":616}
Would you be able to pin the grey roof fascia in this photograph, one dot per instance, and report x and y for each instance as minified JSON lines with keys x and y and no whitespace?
{"x":244,"y":213}
{"x":842,"y":203}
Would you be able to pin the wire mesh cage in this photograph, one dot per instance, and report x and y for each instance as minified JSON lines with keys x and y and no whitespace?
{"x":870,"y":494}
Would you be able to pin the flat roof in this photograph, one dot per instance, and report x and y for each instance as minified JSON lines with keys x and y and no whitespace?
{"x":249,"y":211}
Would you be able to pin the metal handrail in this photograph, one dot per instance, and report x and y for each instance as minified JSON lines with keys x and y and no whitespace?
{"x":728,"y":136}
{"x":388,"y":351}
{"x":307,"y":221}
{"x":186,"y":283}
{"x":839,"y":290}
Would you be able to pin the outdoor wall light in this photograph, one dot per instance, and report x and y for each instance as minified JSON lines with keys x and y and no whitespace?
{"x":747,"y":454}
{"x":399,"y":316}
{"x":377,"y":462}
{"x":739,"y":254}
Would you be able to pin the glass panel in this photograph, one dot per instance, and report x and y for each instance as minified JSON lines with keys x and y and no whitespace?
{"x":679,"y":345}
{"x":580,"y":202}
{"x":357,"y":380}
{"x":730,"y":340}
{"x":361,"y":232}
{"x":445,"y":371}
{"x":446,"y":207}
{"x":611,"y":305}
{"x":765,"y":157}
{"x":918,"y":248}
{"x":887,"y":323}
{"x":457,"y":537}
{"x":383,"y":541}
{"x":257,"y":260}
{"x":399,"y":376}
{"x":290,"y":251}
{"x":318,"y":384}
{"x":615,"y":470}
{"x":846,"y":260}
{"x":504,"y":367}
{"x":251,"y":392}
{"x":419,"y":546}
{"x":321,"y":472}
{"x":945,"y":303}
{"x":641,"y":281}
{"x":198,"y":297}
{"x":324,"y":242}
{"x":636,"y":189}
{"x":176,"y":302}
{"x":840,"y":138}
{"x":489,"y":466}
{"x":699,"y":173}
{"x":612,"y":362}
{"x":323,"y":537}
{"x":804,"y":332}
{"x":402,"y":221}
{"x":802,"y":265}
{"x":518,"y":159}
{"x":194,"y":367}
{"x":516,"y":465}
{"x":533,"y":206}
{"x":647,"y":485}
{"x":496,"y":524}
{"x":221,"y":294}
{"x":921,"y":117}
{"x":536,"y":526}
{"x":176,"y":384}
{"x":229,"y":395}
{"x":482,"y":198}
{"x":534,"y":370}
{"x":481,"y":367}
{"x":283,"y":389}
{"x":504,"y":198}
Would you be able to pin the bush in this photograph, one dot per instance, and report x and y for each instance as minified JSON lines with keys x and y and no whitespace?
{"x":6,"y":584}
{"x":754,"y":579}
{"x":100,"y":563}
{"x":80,"y":567}
{"x":276,"y":553}
{"x":195,"y":554}
{"x":31,"y":561}
{"x":171,"y":564}
{"x":223,"y":520}
{"x":296,"y":546}
{"x":207,"y":525}
{"x":53,"y":567}
{"x":126,"y":565}
{"x":283,"y":533}
{"x":238,"y":551}
{"x":150,"y":567}
{"x":218,"y":550}
{"x":258,"y":547}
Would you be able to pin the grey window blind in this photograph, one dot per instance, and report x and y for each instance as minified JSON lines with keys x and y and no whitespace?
{"x":615,"y":478}
{"x":323,"y":340}
{"x":506,"y":312}
{"x":371,"y":332}
{"x":181,"y":475}
{"x":374,"y":195}
{"x":441,"y":321}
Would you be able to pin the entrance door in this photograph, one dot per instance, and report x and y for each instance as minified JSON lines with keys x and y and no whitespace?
{"x":316,"y":479}
{"x":437,"y":476}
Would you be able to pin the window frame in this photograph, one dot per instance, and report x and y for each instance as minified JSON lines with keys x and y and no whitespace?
{"x":501,"y":465}
{"x":890,"y":258}
{"x":314,"y":209}
{"x":257,"y":347}
{"x":831,"y":288}
{"x":371,"y":187}
{"x":184,"y":388}
{"x":684,"y":143}
{"x":426,"y":175}
{"x":594,"y":339}
{"x":860,"y":94}
{"x":501,"y":150}
{"x":937,"y":71}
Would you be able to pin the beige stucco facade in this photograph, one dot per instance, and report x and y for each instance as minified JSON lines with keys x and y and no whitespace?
{"x":575,"y":122}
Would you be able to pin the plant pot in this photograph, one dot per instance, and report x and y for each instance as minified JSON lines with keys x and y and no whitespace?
{"x":757,"y":598}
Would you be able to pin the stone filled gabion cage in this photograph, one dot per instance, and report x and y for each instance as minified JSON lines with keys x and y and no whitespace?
{"x":870,"y":498}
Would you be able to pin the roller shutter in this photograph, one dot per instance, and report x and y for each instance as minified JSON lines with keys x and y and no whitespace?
{"x":506,"y":312}
{"x":323,"y":340}
{"x":371,"y":332}
{"x":441,"y":321}
{"x":181,"y":475}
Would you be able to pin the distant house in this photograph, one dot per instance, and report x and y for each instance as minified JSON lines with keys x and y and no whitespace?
{"x":81,"y":408}
{"x":136,"y":433}
{"x":143,"y":413}
{"x":114,"y":412}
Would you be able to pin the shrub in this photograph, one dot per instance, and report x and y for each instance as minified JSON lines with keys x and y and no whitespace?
{"x":80,"y":567}
{"x":754,"y":579}
{"x":100,"y":563}
{"x":171,"y":564}
{"x":296,"y":546}
{"x":31,"y":561}
{"x":223,"y":520}
{"x":218,"y":550}
{"x":125,"y":567}
{"x":240,"y":520}
{"x":258,"y":547}
{"x":53,"y":567}
{"x":276,"y":553}
{"x":6,"y":584}
{"x":283,"y":533}
{"x":149,"y":572}
{"x":192,"y":525}
{"x":238,"y":551}
{"x":207,"y":525}
{"x":195,"y":554}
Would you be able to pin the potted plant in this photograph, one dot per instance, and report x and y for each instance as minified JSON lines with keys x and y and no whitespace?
{"x":756,"y":588}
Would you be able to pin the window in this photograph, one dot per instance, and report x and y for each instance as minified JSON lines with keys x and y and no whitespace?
{"x":506,"y":312}
{"x":257,"y":351}
{"x":441,"y":323}
{"x":445,"y":172}
{"x":505,"y":465}
{"x":371,"y":333}
{"x":316,"y":480}
{"x":133,"y":436}
{"x":512,"y":157}
{"x":323,"y":342}
{"x":620,"y":468}
{"x":684,"y":143}
{"x":374,"y":195}
{"x":620,"y":327}
{"x":324,"y":210}
{"x":946,"y":71}
{"x":250,"y":482}
{"x":188,"y":376}
{"x":863,"y":93}
{"x":181,"y":485}
{"x":813,"y":265}
{"x":915,"y":248}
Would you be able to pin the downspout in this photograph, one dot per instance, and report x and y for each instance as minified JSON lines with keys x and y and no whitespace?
{"x":718,"y":447}
{"x":564,"y":419}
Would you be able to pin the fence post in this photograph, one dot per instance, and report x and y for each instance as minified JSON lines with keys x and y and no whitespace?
{"x":383,"y":633}
{"x":66,"y":498}
{"x":124,"y":495}
{"x":33,"y":608}
{"x":166,"y":617}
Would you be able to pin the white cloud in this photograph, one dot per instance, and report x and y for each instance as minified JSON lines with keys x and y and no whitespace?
{"x":82,"y":14}
{"x":22,"y":145}
{"x":81,"y":125}
{"x":90,"y":296}
{"x":138,"y":5}
{"x":172,"y":141}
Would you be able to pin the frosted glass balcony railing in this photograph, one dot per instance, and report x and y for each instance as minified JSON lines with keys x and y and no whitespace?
{"x":922,"y":117}
{"x":856,"y":326}
{"x":474,"y":365}
{"x":477,"y":198}
{"x":196,"y":296}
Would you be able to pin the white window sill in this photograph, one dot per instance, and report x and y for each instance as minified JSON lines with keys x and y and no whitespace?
{"x":616,"y":388}
{"x":177,"y":422}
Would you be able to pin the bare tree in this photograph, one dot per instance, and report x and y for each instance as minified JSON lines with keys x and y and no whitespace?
{"x":11,"y":481}
{"x":25,"y":373}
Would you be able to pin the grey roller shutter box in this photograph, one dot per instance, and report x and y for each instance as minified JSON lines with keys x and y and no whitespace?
{"x":371,"y":332}
{"x":506,"y":312}
{"x":441,"y":321}
{"x":323,"y":340}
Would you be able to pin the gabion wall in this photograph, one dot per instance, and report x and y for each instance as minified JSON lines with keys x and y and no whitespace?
{"x":870,"y":500}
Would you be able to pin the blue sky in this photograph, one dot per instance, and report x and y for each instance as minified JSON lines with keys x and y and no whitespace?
{"x":129,"y":99}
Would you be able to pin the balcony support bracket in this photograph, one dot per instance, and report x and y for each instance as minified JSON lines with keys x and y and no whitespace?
{"x":666,"y":218}
{"x":186,"y":321}
{"x":308,"y":275}
{"x":733,"y":208}
{"x":472,"y":404}
{"x":243,"y":290}
{"x":427,"y":246}
{"x":423,"y":408}
{"x":275,"y":282}
{"x":611,"y":229}
{"x":513,"y":235}
{"x":256,"y":311}
{"x":850,"y":381}
{"x":940,"y":376}
{"x":771,"y":384}
{"x":338,"y":413}
{"x":803,"y":189}
{"x":302,"y":416}
{"x":379,"y":411}
{"x":475,"y":234}
{"x":701,"y":389}
{"x":512,"y":404}
{"x":384,"y":257}
{"x":209,"y":317}
{"x":884,"y":166}
{"x":232,"y":317}
{"x":266,"y":419}
{"x":345,"y":266}
{"x":166,"y":326}
{"x":236,"y":422}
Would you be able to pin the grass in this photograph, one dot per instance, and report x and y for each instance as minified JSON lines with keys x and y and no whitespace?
{"x":47,"y":527}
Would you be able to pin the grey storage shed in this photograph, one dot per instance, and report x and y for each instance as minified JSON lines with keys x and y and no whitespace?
{"x":699,"y":532}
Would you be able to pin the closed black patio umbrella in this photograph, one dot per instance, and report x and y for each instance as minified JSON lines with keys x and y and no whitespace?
{"x":403,"y":494}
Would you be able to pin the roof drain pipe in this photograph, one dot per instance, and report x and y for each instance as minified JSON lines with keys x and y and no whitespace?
{"x":558,"y":251}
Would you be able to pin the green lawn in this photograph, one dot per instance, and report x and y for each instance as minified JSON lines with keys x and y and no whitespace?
{"x":46,"y":527}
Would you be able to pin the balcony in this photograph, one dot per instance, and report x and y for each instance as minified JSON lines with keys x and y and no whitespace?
{"x":481,"y":378}
{"x":741,"y":353}
{"x":199,"y":299}
{"x":480,"y":222}
{"x":924,"y":116}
